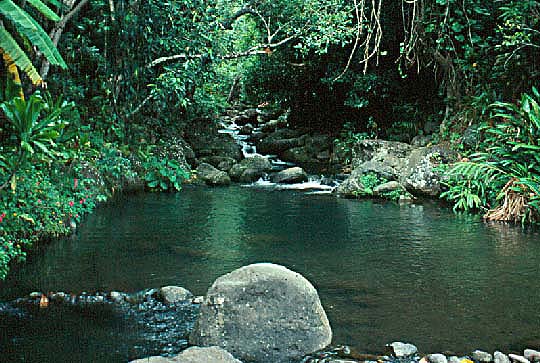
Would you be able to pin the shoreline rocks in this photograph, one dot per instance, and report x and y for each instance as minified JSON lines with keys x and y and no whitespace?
{"x":194,"y":355}
{"x":397,"y":166}
{"x":173,"y":302}
{"x":400,"y":170}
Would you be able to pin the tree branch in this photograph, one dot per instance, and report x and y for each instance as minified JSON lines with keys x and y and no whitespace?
{"x":56,"y":33}
{"x":258,"y":49}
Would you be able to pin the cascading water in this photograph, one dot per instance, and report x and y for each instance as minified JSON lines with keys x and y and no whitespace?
{"x":316,"y":184}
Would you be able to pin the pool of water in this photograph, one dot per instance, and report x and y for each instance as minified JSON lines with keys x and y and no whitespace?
{"x":384,"y":271}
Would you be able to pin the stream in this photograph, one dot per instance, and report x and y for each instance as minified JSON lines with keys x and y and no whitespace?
{"x":384,"y":272}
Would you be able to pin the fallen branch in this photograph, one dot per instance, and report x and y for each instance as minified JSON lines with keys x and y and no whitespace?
{"x":258,"y":49}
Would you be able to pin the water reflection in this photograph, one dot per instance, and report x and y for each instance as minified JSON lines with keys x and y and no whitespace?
{"x":384,"y":271}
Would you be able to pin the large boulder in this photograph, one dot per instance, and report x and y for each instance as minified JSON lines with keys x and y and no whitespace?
{"x":212,"y":176}
{"x":388,"y":187}
{"x":263,"y":313}
{"x":299,"y":155}
{"x":250,"y":169}
{"x":414,"y":168}
{"x":290,"y":175}
{"x":220,"y":162}
{"x":383,"y":168}
{"x":313,"y":149}
{"x":389,"y":156}
{"x":249,"y":116}
{"x":194,"y":355}
{"x":280,"y":140}
{"x":420,"y":176}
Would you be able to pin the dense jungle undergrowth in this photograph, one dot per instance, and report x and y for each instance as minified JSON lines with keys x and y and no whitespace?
{"x":91,"y":89}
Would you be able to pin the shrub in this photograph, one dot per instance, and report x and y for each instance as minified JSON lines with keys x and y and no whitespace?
{"x":503,"y":178}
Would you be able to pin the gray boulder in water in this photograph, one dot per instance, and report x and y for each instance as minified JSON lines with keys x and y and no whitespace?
{"x":352,"y":186}
{"x":263,"y":313}
{"x":250,"y":169}
{"x":174,"y":294}
{"x":420,"y":176}
{"x":212,"y":176}
{"x":400,"y":350}
{"x":290,"y":175}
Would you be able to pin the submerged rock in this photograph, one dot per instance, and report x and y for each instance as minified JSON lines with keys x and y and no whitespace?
{"x":174,"y":294}
{"x":290,"y":175}
{"x":263,"y":313}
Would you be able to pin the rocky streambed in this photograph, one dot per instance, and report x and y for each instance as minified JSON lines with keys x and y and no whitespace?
{"x":258,"y":313}
{"x":250,"y":145}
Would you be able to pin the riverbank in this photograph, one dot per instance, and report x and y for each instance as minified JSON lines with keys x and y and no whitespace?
{"x":48,"y":200}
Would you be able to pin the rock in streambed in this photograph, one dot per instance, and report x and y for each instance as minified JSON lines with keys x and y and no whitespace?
{"x":249,"y":313}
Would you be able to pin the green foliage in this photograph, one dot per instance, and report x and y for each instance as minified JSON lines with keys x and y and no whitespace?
{"x":45,"y":203}
{"x":348,"y":138}
{"x":369,"y":181}
{"x":472,"y":185}
{"x":507,"y":166}
{"x":33,"y":132}
{"x":164,"y":174}
{"x":30,"y":30}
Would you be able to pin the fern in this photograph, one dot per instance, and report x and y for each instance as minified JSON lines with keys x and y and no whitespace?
{"x":505,"y":176}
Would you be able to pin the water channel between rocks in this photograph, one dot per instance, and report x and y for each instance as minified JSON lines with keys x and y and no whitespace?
{"x":384,"y":272}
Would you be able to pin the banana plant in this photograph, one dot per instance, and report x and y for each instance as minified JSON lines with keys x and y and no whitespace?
{"x":26,"y":28}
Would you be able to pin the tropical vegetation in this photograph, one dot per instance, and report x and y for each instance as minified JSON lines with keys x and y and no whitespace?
{"x":90,"y":87}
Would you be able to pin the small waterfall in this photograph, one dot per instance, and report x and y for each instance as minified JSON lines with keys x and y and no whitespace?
{"x":316,"y":184}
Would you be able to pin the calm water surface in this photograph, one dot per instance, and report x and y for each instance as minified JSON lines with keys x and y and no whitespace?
{"x":384,"y":272}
